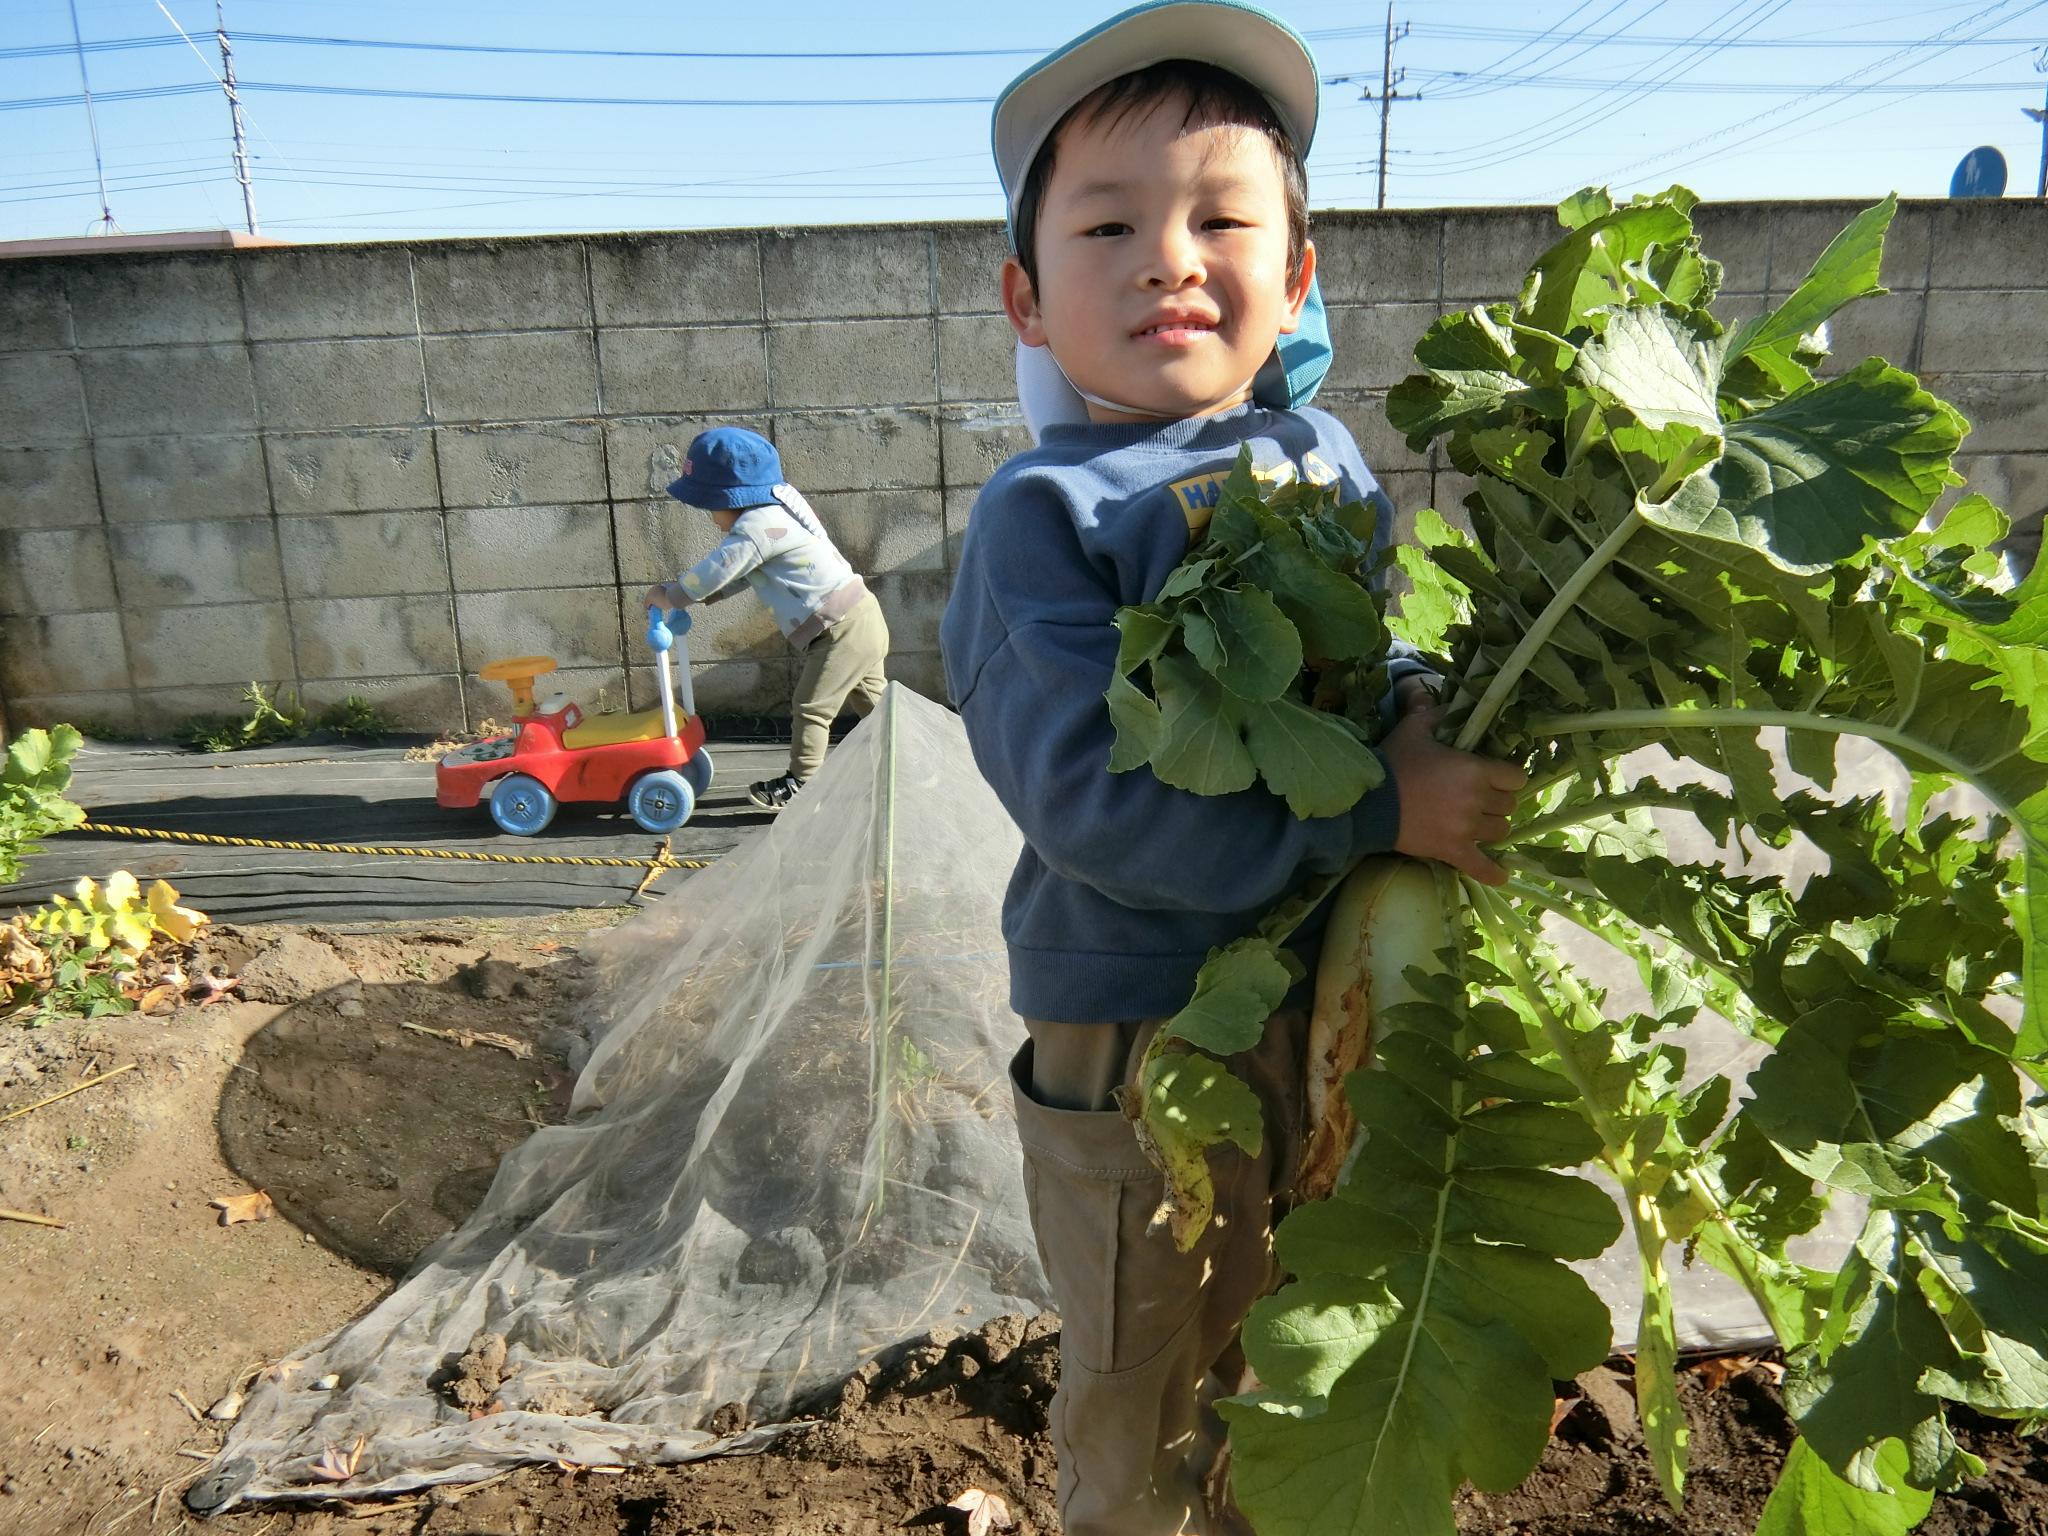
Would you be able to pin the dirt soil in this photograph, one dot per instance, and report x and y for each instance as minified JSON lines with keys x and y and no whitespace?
{"x":372,"y":1138}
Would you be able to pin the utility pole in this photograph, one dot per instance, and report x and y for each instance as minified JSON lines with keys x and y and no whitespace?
{"x":1390,"y":92}
{"x":2040,"y":115}
{"x":1388,"y":81}
{"x":227,"y":82}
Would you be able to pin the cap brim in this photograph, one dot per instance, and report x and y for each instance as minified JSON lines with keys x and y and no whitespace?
{"x":720,"y":498}
{"x":1243,"y":39}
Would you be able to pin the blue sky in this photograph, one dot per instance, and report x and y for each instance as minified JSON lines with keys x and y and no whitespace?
{"x":1517,"y":101}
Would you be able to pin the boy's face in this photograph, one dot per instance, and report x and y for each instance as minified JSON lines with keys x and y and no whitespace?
{"x":1162,"y":264}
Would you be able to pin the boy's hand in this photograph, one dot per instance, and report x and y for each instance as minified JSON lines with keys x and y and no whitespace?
{"x":1451,"y":801}
{"x":666,"y":595}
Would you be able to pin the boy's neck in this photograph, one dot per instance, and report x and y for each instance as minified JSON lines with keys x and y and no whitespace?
{"x":1102,"y":415}
{"x":1170,"y":430}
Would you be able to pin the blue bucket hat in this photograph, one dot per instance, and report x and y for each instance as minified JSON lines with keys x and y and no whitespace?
{"x":728,"y":468}
{"x":1252,"y":44}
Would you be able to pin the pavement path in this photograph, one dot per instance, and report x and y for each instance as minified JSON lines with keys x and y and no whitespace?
{"x":364,"y":795}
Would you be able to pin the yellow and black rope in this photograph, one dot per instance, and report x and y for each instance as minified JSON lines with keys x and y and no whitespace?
{"x":663,"y":859}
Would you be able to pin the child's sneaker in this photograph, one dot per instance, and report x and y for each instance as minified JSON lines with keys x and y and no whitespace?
{"x":773,"y":794}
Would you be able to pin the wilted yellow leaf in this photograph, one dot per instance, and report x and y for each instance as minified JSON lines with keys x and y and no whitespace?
{"x":179,"y":922}
{"x":254,"y":1206}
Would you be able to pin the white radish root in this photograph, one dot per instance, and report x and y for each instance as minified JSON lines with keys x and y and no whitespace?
{"x":1387,"y":916}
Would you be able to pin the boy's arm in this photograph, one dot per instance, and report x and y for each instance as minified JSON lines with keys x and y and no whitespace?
{"x":1041,"y":734}
{"x":713,"y":577}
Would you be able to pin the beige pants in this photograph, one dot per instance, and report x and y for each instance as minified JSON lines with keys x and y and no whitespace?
{"x":842,"y":666}
{"x":1148,"y":1335}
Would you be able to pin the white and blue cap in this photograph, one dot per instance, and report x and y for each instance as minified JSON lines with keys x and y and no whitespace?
{"x":1252,"y":44}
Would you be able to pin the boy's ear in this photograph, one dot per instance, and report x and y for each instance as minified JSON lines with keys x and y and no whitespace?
{"x":1297,"y":291}
{"x":1020,"y":303}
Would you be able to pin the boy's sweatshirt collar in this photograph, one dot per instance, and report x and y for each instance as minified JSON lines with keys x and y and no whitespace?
{"x":1226,"y":427}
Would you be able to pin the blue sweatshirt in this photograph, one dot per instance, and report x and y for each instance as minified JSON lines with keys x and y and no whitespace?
{"x":1125,"y":883}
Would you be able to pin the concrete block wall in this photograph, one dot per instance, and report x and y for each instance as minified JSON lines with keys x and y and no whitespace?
{"x":370,"y":469}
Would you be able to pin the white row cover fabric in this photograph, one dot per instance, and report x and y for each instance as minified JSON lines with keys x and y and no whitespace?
{"x":792,"y":1148}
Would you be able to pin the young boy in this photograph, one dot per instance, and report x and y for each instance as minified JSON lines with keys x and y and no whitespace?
{"x":774,"y":541}
{"x":1159,"y":228}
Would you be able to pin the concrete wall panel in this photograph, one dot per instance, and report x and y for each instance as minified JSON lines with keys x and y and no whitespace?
{"x":229,"y":644}
{"x":327,"y":292}
{"x":313,"y":472}
{"x":48,"y":487}
{"x":514,"y":466}
{"x":131,"y":300}
{"x":821,"y":274}
{"x":34,"y":313}
{"x":711,"y":278}
{"x":155,"y":479}
{"x":489,"y":285}
{"x":54,"y":570}
{"x":363,"y":554}
{"x":41,"y":400}
{"x":316,"y":384}
{"x":164,"y":565}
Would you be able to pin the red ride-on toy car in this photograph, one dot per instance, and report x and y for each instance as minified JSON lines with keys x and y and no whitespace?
{"x":654,"y":761}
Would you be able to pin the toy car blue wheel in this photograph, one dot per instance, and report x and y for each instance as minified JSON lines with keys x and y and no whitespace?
{"x":662,"y":800}
{"x":698,"y":771}
{"x":522,"y":805}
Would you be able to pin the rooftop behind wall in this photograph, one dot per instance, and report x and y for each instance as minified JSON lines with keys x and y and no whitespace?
{"x":372,"y":468}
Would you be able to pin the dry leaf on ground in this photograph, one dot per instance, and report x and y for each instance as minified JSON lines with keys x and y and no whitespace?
{"x":21,"y":958}
{"x":1716,"y":1371}
{"x":254,"y":1206}
{"x":155,"y":998}
{"x":338,"y":1466}
{"x":985,"y":1511}
{"x":215,"y":989}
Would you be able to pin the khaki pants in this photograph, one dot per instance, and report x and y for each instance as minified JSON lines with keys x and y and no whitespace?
{"x":1148,"y":1334}
{"x":842,"y":666}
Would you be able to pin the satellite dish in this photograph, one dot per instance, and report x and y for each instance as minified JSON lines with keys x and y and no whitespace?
{"x":1980,"y":173}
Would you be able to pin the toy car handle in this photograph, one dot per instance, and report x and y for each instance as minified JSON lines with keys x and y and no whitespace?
{"x":662,"y":634}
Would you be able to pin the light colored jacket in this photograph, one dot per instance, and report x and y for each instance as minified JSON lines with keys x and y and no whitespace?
{"x":783,"y":552}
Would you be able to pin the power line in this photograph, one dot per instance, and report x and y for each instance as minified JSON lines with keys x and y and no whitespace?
{"x":136,"y":93}
{"x":152,"y":186}
{"x":1832,"y":42}
{"x":1554,"y":130}
{"x":1531,"y":132}
{"x":1618,"y":4}
{"x":774,"y":55}
{"x":1724,"y":131}
{"x":394,"y":93}
{"x":1722,"y":87}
